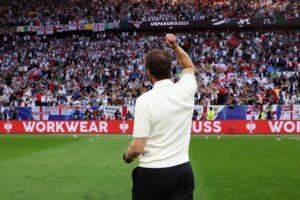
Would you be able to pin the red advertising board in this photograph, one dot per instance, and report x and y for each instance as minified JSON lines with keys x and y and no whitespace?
{"x":126,"y":127}
{"x":246,"y":127}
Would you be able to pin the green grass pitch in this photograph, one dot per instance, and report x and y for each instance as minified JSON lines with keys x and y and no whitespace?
{"x":62,"y":167}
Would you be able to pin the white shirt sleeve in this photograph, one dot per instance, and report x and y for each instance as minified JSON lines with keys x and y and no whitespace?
{"x":188,"y":81}
{"x":141,"y":120}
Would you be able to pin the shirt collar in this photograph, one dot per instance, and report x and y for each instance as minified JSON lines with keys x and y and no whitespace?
{"x":163,"y":83}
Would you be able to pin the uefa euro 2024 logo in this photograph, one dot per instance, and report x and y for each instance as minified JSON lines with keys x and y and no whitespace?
{"x":251,"y":126}
{"x":124,"y":126}
{"x":7,"y":126}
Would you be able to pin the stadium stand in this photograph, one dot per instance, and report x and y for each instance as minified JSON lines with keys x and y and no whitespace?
{"x":105,"y":68}
{"x":236,"y":68}
{"x":37,"y":12}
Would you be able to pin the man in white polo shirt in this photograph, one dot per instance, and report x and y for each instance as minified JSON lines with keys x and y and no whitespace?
{"x":162,"y":125}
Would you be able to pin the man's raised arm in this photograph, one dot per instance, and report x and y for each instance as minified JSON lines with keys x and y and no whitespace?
{"x":184,"y":59}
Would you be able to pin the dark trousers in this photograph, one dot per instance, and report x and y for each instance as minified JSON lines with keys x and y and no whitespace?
{"x":172,"y":183}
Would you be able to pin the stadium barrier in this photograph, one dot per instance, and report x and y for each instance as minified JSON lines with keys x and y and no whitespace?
{"x":126,"y":127}
{"x":222,"y":112}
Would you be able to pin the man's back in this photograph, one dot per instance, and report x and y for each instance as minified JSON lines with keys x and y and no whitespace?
{"x":162,"y":125}
{"x":169,"y":108}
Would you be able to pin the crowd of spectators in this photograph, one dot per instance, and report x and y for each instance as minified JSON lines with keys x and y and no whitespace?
{"x":54,"y":12}
{"x":240,"y":68}
{"x":248,"y":9}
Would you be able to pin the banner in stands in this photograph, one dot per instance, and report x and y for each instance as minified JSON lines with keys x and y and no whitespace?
{"x":164,"y":25}
{"x":202,"y":111}
{"x":65,"y":112}
{"x":296,"y":112}
{"x":221,"y":23}
{"x":254,"y":111}
{"x":4,"y":31}
{"x":126,"y":127}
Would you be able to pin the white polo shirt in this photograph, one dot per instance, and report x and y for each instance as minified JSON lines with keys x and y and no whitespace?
{"x":164,"y":115}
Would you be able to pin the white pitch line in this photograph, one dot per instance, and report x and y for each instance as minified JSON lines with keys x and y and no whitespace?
{"x":293,"y":138}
